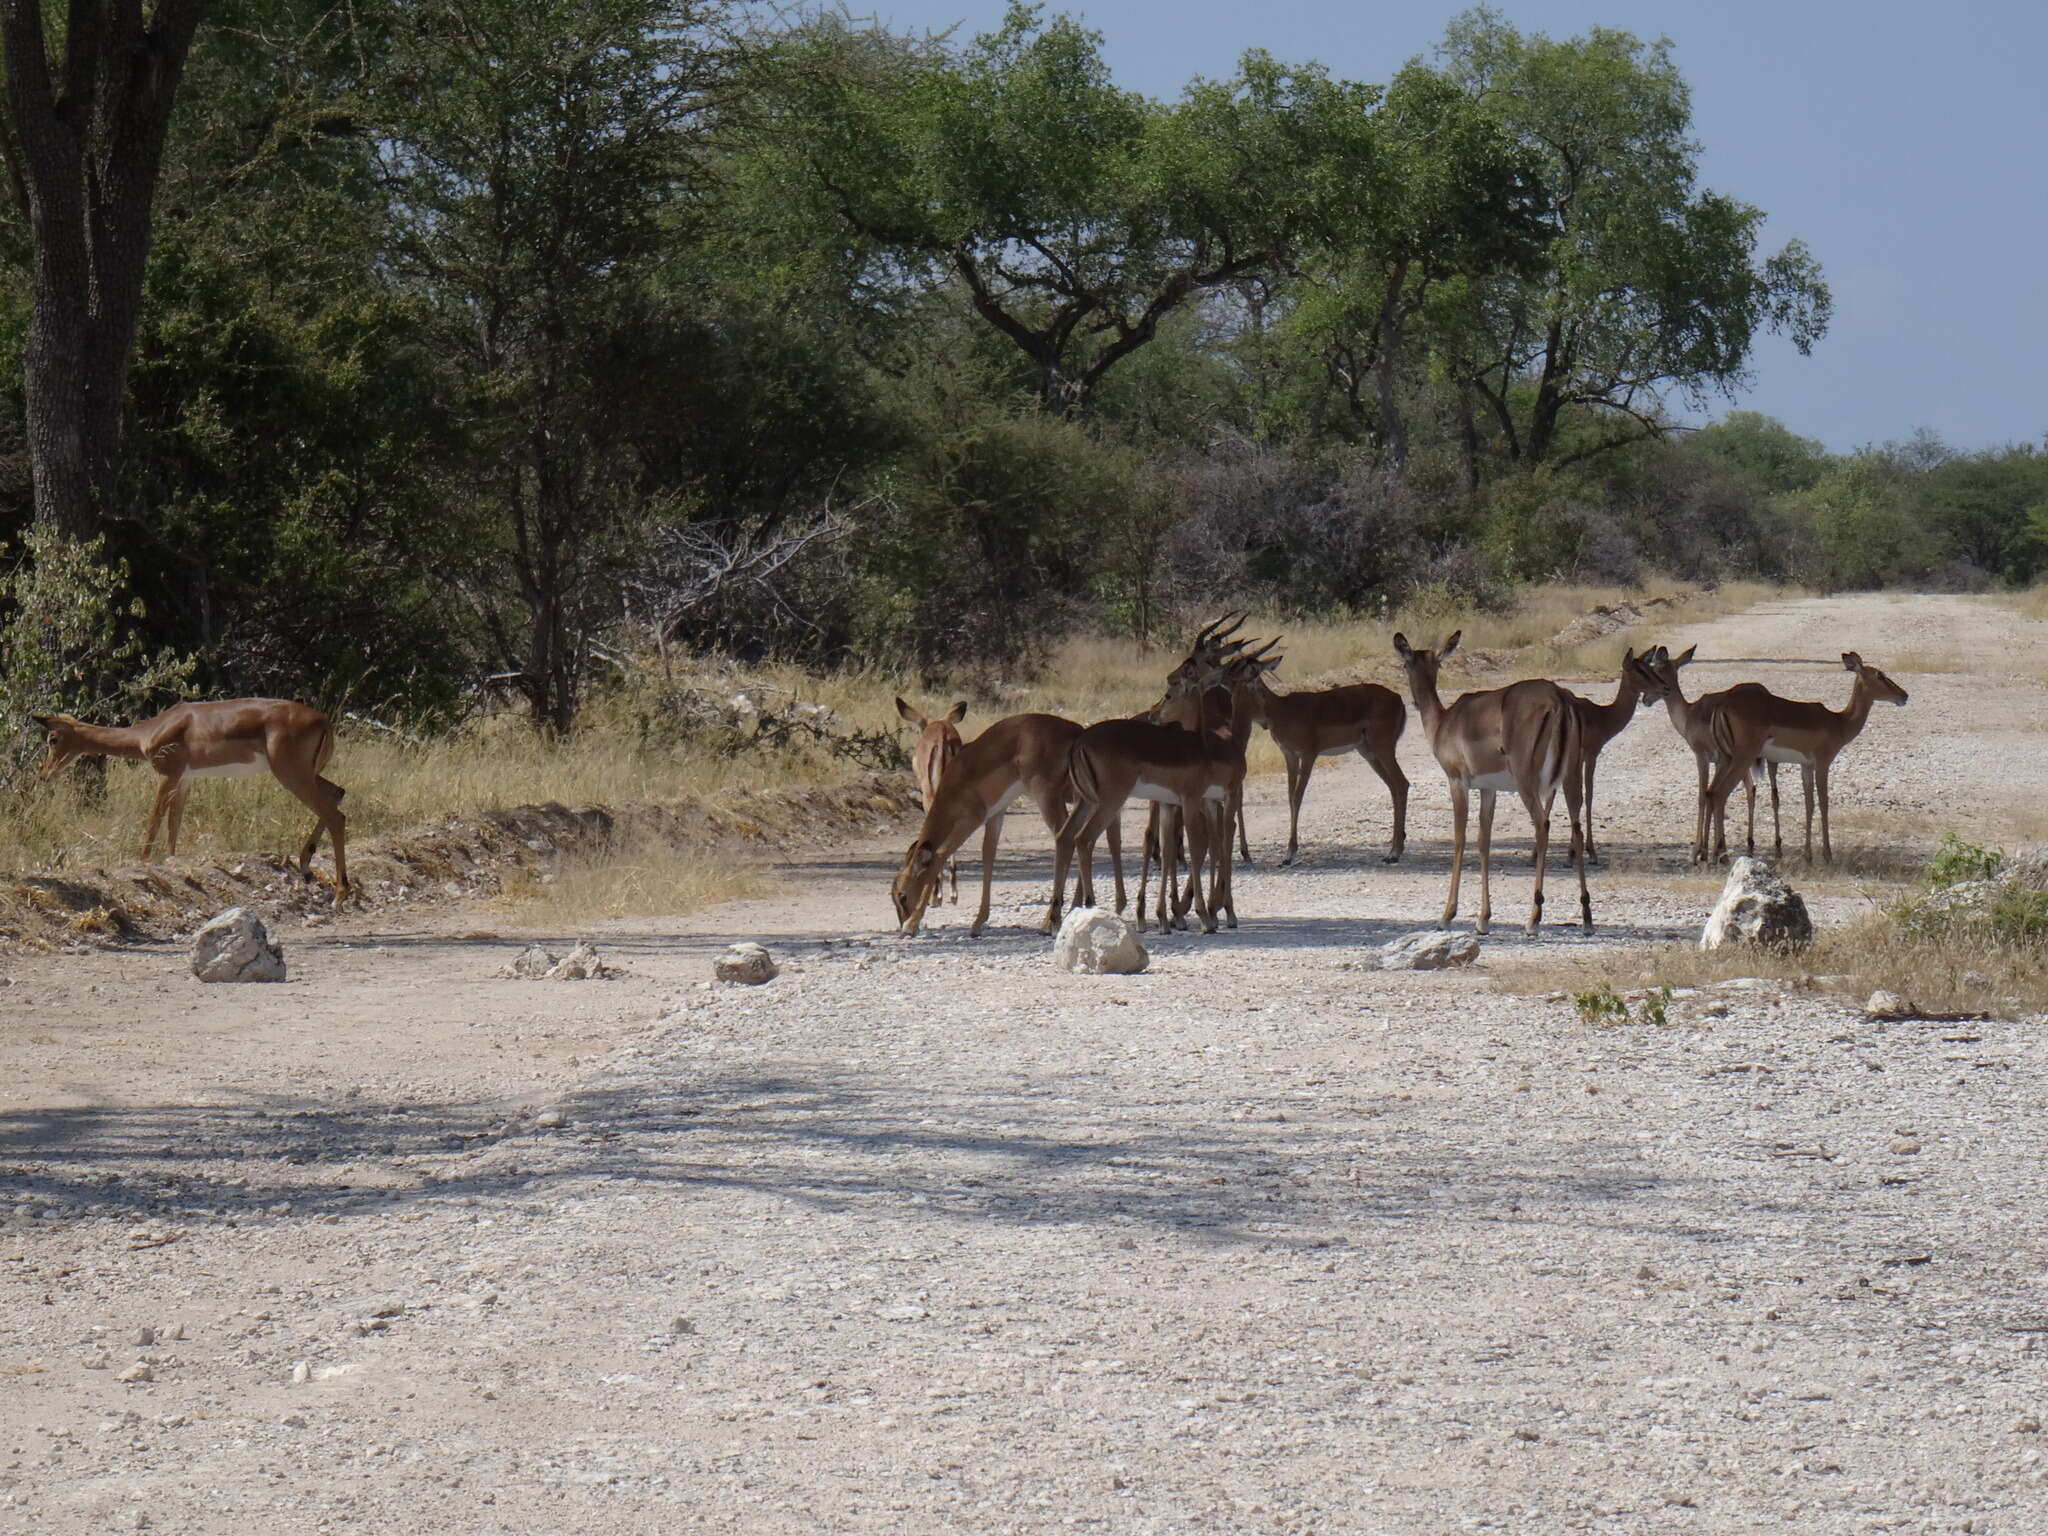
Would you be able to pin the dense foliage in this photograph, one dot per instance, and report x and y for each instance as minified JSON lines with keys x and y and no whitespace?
{"x":479,"y":341}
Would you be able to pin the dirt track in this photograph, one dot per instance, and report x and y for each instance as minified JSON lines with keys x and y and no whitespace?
{"x":927,"y":1237}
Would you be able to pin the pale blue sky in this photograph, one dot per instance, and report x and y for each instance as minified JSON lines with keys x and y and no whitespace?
{"x":1903,"y":142}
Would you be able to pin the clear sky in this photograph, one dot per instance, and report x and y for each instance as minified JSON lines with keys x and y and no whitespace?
{"x":1904,"y":142}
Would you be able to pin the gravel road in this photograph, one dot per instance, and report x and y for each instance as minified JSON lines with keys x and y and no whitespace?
{"x":926,"y":1237}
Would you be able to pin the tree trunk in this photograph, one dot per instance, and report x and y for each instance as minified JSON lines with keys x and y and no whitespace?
{"x":83,"y":149}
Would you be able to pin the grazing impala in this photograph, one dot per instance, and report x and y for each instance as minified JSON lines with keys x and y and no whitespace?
{"x":1601,"y":723}
{"x":938,"y":743}
{"x":1749,"y":724}
{"x":1360,"y":717}
{"x":1526,"y":737}
{"x":1018,"y":755}
{"x":218,"y":738}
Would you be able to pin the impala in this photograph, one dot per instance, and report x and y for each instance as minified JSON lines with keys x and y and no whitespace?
{"x":1526,"y":737}
{"x":1019,"y":755}
{"x":218,"y":738}
{"x":938,"y":743}
{"x":1359,"y":717}
{"x":1600,"y":724}
{"x":1191,"y":708}
{"x":1749,"y":724}
{"x":1656,"y":670}
{"x":1199,"y":771}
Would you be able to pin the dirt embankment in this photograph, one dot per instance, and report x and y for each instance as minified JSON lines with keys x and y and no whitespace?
{"x":453,"y":857}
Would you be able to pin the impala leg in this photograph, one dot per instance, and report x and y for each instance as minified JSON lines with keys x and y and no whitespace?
{"x":1486,"y":805}
{"x":1820,"y":781}
{"x":1115,"y":835}
{"x":1460,"y":804}
{"x":1777,"y":826}
{"x":1244,"y":840}
{"x":1064,"y":839}
{"x":1749,"y":791}
{"x":1539,"y":814}
{"x":1201,"y":838}
{"x":323,"y":798}
{"x":991,"y":834}
{"x":177,"y":816}
{"x":1703,"y":763}
{"x":1592,"y":854}
{"x":1580,"y":845}
{"x":166,"y":788}
{"x":1388,"y":767}
{"x":1145,"y":858}
{"x":953,"y":878}
{"x":1221,"y":896}
{"x":1298,"y":770}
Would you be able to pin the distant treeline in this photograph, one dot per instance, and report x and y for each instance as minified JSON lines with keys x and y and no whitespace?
{"x":480,"y":341}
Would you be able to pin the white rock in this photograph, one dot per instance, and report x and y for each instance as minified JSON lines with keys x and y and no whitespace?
{"x":235,"y":946}
{"x":581,"y":964}
{"x":1099,"y":943}
{"x":139,"y":1371}
{"x":748,"y":964}
{"x":1434,"y":949}
{"x":533,"y":964}
{"x":1757,"y":907}
{"x":1886,"y":1004}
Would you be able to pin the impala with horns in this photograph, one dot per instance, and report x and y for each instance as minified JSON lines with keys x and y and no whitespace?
{"x":1526,"y":737}
{"x":1750,"y":724}
{"x":1656,"y":672}
{"x":1190,"y":709}
{"x":938,"y":743}
{"x":1119,"y":760}
{"x":1018,"y":755}
{"x":218,"y":738}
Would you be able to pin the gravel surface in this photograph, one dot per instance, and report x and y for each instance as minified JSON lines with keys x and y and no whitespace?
{"x":927,"y":1236}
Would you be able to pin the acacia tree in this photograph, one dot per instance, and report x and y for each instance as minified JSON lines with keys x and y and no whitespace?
{"x":531,"y":152}
{"x":1074,"y":216}
{"x":83,"y":139}
{"x":1648,"y":284}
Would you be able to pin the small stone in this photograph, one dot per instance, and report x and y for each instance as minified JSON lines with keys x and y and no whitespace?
{"x":551,"y":1119}
{"x":681,"y":1325}
{"x":235,"y":946}
{"x":1434,"y":949}
{"x":144,"y":1337}
{"x":1887,"y":1004}
{"x":582,"y":964}
{"x":1905,"y":1146}
{"x":175,"y":1331}
{"x":2026,"y":1424}
{"x":747,"y":965}
{"x":301,"y":1374}
{"x":1095,"y":942}
{"x":139,"y":1371}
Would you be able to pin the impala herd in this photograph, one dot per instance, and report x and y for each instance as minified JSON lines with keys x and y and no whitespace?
{"x":1185,"y":755}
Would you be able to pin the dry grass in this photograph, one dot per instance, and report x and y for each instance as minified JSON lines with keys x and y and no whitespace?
{"x":639,"y":882}
{"x":498,"y":762}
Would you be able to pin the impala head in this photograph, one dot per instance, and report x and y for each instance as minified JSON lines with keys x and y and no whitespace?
{"x":1201,"y":671}
{"x":65,"y":744}
{"x":951,"y":717}
{"x":1422,"y":666}
{"x":1657,"y":670}
{"x":915,"y":883}
{"x":1207,"y":651}
{"x":1882,"y":688}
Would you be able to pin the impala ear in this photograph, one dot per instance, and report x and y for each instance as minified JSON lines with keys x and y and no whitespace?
{"x":909,"y":714}
{"x":957,"y":713}
{"x":1851,"y":662}
{"x":1401,"y":646}
{"x":1684,"y":660}
{"x":921,"y":858}
{"x":1449,"y":645}
{"x":43,"y":722}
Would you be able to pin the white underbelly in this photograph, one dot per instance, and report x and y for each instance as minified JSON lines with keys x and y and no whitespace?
{"x":1003,"y":804}
{"x":256,"y":765}
{"x":1491,"y":781}
{"x":1158,"y":794}
{"x":1777,"y":754}
{"x":1343,"y":751}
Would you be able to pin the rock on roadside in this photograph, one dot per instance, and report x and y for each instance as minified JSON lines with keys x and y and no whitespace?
{"x":1435,"y":949}
{"x":235,"y":946}
{"x":1757,"y":907}
{"x":748,"y":964}
{"x":533,"y":964}
{"x":582,"y":964}
{"x":1098,"y":943}
{"x":1887,"y":1004}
